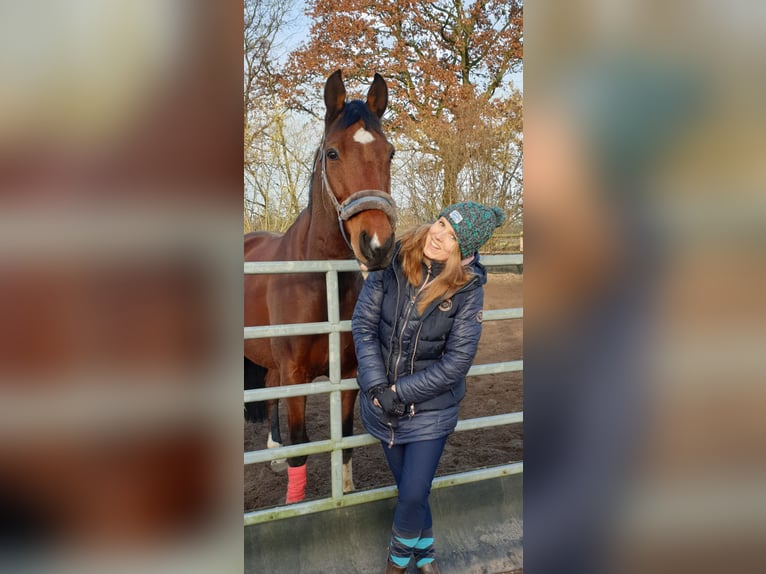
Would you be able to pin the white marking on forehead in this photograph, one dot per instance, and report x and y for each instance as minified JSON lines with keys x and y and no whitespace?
{"x":375,"y":242}
{"x":363,"y":136}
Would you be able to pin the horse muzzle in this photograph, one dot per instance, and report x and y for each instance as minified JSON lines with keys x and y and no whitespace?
{"x":376,"y":253}
{"x":377,"y":256}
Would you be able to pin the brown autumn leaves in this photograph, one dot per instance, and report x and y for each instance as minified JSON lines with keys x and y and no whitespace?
{"x":454,"y":114}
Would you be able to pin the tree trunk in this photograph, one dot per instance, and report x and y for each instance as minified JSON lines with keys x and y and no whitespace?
{"x":450,"y":191}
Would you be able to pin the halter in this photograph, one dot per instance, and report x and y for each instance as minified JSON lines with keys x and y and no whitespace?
{"x":363,"y":200}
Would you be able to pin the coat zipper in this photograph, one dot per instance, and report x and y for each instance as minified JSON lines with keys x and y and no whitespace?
{"x":393,"y":328}
{"x":411,"y":304}
{"x":415,"y":348}
{"x":407,"y":320}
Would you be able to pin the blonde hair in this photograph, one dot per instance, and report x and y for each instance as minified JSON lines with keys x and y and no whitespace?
{"x":452,"y":277}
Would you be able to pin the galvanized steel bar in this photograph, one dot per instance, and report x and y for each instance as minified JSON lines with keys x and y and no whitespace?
{"x":499,"y":314}
{"x":336,"y":436}
{"x":336,"y":429}
{"x":257,"y":267}
{"x":313,"y":447}
{"x":293,"y":329}
{"x":500,"y":260}
{"x":494,"y":368}
{"x":315,"y":388}
{"x":354,"y":498}
{"x":490,"y":421}
{"x":477,"y":475}
{"x":333,"y":318}
{"x":320,"y":387}
{"x":336,"y":473}
{"x":264,"y":331}
{"x":356,"y":441}
{"x":267,"y":267}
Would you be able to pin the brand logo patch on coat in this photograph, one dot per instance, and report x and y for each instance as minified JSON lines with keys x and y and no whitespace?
{"x":445,"y":305}
{"x":480,"y":316}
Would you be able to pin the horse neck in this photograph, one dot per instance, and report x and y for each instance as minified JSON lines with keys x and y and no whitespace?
{"x":316,"y":230}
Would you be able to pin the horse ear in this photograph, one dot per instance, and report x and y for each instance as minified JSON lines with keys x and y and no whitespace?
{"x":334,"y":96}
{"x":377,"y":96}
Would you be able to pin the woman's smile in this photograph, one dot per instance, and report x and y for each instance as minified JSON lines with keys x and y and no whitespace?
{"x":441,"y":240}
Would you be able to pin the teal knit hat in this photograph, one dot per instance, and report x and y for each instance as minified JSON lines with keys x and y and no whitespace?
{"x":473,"y":224}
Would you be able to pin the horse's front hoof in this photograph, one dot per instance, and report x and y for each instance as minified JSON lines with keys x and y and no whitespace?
{"x":279,"y":465}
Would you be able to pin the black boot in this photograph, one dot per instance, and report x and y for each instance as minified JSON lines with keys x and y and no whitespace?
{"x":392,"y":568}
{"x":430,"y":568}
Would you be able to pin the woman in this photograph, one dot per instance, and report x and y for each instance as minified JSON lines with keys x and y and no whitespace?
{"x":416,"y":328}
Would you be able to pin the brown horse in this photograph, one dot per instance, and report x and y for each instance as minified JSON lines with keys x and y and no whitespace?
{"x":350,"y":213}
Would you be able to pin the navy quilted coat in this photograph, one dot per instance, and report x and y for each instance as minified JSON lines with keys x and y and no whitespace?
{"x":427,"y":356}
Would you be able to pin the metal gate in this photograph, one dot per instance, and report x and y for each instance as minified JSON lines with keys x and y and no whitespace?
{"x":336,"y":443}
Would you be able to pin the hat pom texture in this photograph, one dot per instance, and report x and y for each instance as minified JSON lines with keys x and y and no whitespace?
{"x":473,"y":224}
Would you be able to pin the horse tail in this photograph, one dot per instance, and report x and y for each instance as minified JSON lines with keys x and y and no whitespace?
{"x":255,"y":378}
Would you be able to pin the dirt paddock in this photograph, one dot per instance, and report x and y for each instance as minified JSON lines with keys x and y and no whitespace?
{"x":487,"y":395}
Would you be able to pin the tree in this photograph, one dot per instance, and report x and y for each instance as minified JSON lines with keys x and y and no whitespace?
{"x":267,"y":160}
{"x":448,"y":64}
{"x":263,"y":20}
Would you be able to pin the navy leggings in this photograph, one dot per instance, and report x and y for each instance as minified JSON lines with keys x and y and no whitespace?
{"x":413,"y":466}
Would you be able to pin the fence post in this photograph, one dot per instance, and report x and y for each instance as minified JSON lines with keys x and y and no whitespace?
{"x":336,"y":414}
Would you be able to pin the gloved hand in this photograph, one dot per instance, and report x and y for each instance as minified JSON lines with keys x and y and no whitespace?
{"x":381,"y":391}
{"x":390,"y":402}
{"x":375,"y":392}
{"x":390,"y":420}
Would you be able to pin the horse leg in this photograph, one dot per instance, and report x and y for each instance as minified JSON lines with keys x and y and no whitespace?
{"x":275,"y":436}
{"x":296,"y":470}
{"x":255,"y":378}
{"x":348,"y":399}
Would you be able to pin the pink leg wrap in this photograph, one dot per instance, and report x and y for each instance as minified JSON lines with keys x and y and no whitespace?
{"x":296,"y":484}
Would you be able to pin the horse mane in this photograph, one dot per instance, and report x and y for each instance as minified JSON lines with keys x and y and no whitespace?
{"x":356,"y":110}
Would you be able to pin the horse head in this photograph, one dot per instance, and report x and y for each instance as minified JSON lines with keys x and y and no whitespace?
{"x":356,"y":170}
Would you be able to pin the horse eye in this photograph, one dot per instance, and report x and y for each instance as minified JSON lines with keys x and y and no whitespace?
{"x":332,"y":153}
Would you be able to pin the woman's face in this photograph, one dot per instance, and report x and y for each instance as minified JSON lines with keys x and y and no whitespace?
{"x":441,"y":241}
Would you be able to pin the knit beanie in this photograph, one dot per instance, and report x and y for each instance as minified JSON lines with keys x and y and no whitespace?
{"x":473,"y":224}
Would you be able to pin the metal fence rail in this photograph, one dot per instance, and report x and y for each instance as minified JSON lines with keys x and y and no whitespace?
{"x":336,"y":443}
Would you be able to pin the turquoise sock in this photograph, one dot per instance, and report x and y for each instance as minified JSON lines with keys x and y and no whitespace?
{"x":424,"y":548}
{"x":400,"y":549}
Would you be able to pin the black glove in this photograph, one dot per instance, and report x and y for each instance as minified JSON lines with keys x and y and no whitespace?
{"x":390,"y":402}
{"x":375,"y":392}
{"x":380,"y":391}
{"x":389,"y":420}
